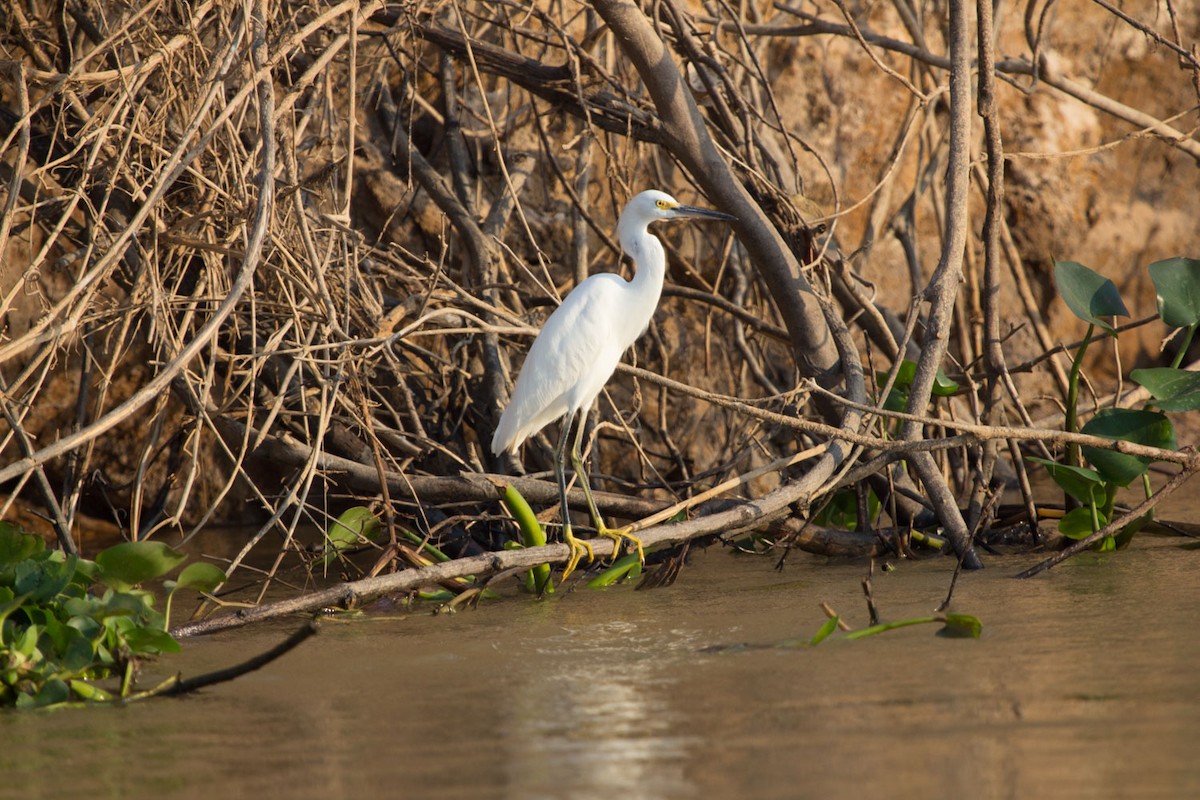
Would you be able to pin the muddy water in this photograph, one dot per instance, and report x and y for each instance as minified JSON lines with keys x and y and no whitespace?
{"x":1083,"y":685}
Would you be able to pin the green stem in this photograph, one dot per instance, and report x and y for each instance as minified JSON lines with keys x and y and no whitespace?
{"x":1187,"y":341}
{"x":890,"y":626}
{"x":1072,"y":423}
{"x":532,"y":534}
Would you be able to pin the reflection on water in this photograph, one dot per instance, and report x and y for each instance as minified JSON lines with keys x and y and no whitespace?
{"x":1083,"y":685}
{"x":600,"y":711}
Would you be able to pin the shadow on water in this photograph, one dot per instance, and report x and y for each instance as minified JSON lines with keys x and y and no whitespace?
{"x":1083,"y":684}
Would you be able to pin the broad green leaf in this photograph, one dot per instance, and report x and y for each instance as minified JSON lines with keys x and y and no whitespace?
{"x":53,"y":691}
{"x":942,"y":385}
{"x":1088,"y":294}
{"x":1173,"y":389}
{"x":1150,"y":428}
{"x":1177,"y":282}
{"x":130,"y":563}
{"x":961,"y":626}
{"x":26,"y":642}
{"x":1077,"y":523}
{"x":144,"y":639}
{"x":897,"y":400}
{"x":17,"y":544}
{"x":354,"y":526}
{"x":42,"y":580}
{"x":1084,"y":484}
{"x":201,"y":576}
{"x":79,"y":653}
{"x":904,"y":375}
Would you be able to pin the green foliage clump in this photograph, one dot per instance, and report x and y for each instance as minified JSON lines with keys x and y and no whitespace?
{"x":66,"y":622}
{"x":1096,"y":300}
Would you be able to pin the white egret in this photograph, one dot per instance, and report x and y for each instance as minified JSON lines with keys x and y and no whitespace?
{"x":578,"y":349}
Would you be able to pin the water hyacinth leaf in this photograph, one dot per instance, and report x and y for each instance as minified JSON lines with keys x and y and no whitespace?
{"x":53,"y":691}
{"x":130,"y":563}
{"x":44,"y":579}
{"x":17,"y":545}
{"x":79,"y":653}
{"x":1177,"y":282}
{"x":904,"y":375}
{"x":1151,"y":428}
{"x":942,"y":385}
{"x":26,"y":642}
{"x":355,"y":525}
{"x":145,"y":639}
{"x":1088,"y":294}
{"x":1077,"y":523}
{"x":897,"y":400}
{"x":1084,"y":484}
{"x":1173,"y":389}
{"x":201,"y":576}
{"x":961,"y":626}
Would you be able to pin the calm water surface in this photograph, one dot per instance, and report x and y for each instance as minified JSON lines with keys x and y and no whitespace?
{"x":1083,"y":685}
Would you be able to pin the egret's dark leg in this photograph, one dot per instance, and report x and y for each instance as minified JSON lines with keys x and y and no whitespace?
{"x":616,"y":534}
{"x":578,"y":548}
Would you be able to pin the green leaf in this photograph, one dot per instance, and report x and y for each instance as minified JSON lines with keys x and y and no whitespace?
{"x":1173,"y":389}
{"x":821,"y":635}
{"x":1088,"y":294}
{"x":354,"y":526}
{"x":1177,"y":282}
{"x":904,"y":375}
{"x":79,"y":654}
{"x":1084,"y":484}
{"x":42,"y":580}
{"x":17,"y":544}
{"x":201,"y":576}
{"x":961,"y":626}
{"x":145,"y":639}
{"x":1077,"y":523}
{"x":26,"y":643}
{"x":942,"y":385}
{"x":897,"y":400}
{"x":130,"y":563}
{"x":1151,"y":428}
{"x":53,"y":691}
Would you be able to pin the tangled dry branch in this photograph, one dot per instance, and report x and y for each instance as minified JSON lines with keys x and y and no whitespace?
{"x":265,"y":260}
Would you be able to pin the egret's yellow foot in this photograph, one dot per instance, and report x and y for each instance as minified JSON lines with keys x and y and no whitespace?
{"x":619,"y":535}
{"x":578,"y":548}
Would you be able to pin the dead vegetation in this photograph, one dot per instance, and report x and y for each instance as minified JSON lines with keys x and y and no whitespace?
{"x":264,"y":260}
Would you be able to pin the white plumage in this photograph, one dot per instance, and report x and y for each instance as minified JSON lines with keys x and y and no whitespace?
{"x":578,"y":348}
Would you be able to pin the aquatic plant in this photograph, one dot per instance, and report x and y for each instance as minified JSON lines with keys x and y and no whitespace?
{"x":67,"y":623}
{"x":1094,"y":486}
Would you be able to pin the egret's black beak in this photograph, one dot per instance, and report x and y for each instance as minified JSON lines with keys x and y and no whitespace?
{"x":704,"y":213}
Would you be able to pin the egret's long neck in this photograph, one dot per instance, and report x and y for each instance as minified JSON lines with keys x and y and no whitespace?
{"x":650,"y":259}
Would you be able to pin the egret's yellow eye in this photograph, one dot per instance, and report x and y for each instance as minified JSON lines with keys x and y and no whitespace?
{"x":663,"y":204}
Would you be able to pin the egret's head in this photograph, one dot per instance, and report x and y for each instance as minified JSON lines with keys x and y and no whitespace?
{"x":653,"y":205}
